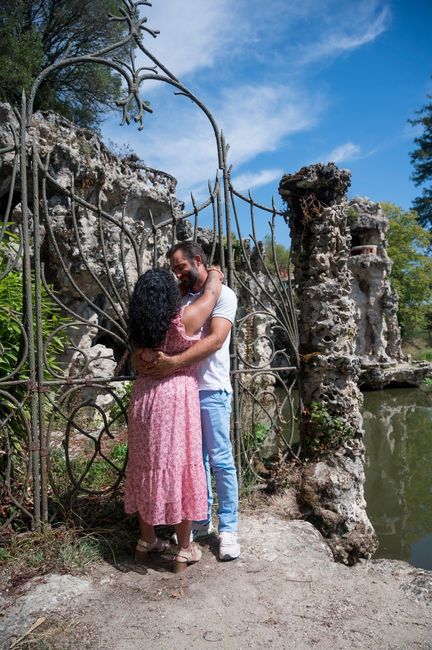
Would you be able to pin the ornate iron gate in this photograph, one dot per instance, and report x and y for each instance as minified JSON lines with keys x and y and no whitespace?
{"x":77,"y":262}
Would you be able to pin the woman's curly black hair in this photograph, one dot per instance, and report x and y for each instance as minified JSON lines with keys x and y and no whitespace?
{"x":154,"y":303}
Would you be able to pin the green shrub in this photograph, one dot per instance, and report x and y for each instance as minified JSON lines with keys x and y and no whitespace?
{"x":423,"y":355}
{"x":253,"y":440}
{"x":117,"y":411}
{"x":329,"y":430}
{"x":12,"y":316}
{"x":100,"y":475}
{"x":14,"y":432}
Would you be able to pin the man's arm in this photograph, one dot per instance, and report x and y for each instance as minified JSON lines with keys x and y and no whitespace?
{"x":166,"y":365}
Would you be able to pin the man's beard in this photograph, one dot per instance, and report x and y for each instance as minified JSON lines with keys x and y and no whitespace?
{"x":192,"y":279}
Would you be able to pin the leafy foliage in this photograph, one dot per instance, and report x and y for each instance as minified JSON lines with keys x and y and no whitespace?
{"x":421,"y":159}
{"x":253,"y":439}
{"x":12,"y":337}
{"x":424,"y":355}
{"x":330,"y":431}
{"x":117,"y":411}
{"x":276,"y":255}
{"x":35,"y":34}
{"x":99,"y":476}
{"x":411,"y":275}
{"x":12,"y":315}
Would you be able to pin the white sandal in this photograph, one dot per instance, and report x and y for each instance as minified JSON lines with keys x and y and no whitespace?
{"x":143,"y":549}
{"x":185,"y":557}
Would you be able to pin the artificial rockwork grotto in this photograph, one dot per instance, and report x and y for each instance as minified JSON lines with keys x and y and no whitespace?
{"x":347,"y":312}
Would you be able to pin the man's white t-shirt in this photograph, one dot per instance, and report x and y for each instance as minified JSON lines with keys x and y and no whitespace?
{"x":214,"y":372}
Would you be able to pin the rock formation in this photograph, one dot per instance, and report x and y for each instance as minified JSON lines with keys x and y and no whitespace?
{"x":378,"y":346}
{"x":98,"y":228}
{"x":378,"y":334}
{"x":331,"y":427}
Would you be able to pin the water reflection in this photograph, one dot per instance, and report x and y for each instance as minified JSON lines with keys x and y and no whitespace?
{"x":398,"y":425}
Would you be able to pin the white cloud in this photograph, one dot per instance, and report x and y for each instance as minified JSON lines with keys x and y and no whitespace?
{"x":255,"y":118}
{"x":249,"y":180}
{"x":234,"y":45}
{"x":204,"y":34}
{"x":350,"y":28}
{"x":192,"y":36}
{"x":343,"y":153}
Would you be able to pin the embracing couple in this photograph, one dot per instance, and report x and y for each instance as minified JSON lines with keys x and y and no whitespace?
{"x":179,"y":414}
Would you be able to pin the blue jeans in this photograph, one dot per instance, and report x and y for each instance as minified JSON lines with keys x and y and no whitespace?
{"x":218,"y":456}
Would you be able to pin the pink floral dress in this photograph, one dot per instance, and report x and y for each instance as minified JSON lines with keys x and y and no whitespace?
{"x":165,"y":477}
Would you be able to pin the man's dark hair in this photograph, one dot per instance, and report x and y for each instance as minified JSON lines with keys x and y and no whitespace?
{"x":189,"y":249}
{"x":154,"y":303}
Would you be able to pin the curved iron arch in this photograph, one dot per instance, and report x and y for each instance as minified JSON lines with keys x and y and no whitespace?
{"x":254,"y":401}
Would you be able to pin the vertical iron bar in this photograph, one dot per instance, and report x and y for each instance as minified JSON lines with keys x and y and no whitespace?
{"x":12,"y":181}
{"x":155,"y":237}
{"x":195,"y":230}
{"x":215,"y":237}
{"x":43,"y":448}
{"x":28,"y":310}
{"x":174,"y":224}
{"x":220,"y":227}
{"x":233,"y":345}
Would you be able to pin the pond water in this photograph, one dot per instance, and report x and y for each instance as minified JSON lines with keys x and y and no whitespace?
{"x":398,"y":425}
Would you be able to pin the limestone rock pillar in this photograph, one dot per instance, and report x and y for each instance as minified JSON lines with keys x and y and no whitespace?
{"x":378,"y":333}
{"x":331,"y":426}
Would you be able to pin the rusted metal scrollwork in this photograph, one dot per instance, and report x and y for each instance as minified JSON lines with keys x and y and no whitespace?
{"x":64,"y":404}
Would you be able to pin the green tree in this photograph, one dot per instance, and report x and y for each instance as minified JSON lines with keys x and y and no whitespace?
{"x":421,"y":159}
{"x":411,"y":275}
{"x":277,"y":254}
{"x":34,"y":34}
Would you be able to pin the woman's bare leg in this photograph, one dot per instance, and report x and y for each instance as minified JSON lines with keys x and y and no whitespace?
{"x":187,"y":553}
{"x":183,"y":531}
{"x":147,"y":532}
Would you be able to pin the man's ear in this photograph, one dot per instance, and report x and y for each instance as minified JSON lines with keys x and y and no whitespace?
{"x":198,"y":260}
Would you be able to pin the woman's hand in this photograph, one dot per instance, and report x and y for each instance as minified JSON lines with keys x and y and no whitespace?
{"x":217,"y":269}
{"x":144,"y":359}
{"x":153,"y":363}
{"x":147,"y":356}
{"x":196,"y":314}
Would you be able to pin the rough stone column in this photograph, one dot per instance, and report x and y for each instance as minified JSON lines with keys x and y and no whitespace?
{"x":378,"y":334}
{"x":331,"y":427}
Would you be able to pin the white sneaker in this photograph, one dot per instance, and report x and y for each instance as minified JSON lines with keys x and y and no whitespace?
{"x":229,"y":547}
{"x":201,"y":531}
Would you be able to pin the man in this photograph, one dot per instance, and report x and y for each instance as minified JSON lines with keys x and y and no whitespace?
{"x":188,"y":262}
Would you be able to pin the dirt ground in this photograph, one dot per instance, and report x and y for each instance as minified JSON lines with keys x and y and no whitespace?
{"x":285,"y":591}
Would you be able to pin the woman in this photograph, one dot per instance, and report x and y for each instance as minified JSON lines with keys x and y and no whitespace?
{"x":165,"y":479}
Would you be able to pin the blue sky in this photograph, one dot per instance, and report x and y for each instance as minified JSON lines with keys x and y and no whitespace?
{"x":291,"y":82}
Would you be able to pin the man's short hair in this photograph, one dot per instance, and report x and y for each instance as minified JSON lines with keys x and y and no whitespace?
{"x":189,"y":249}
